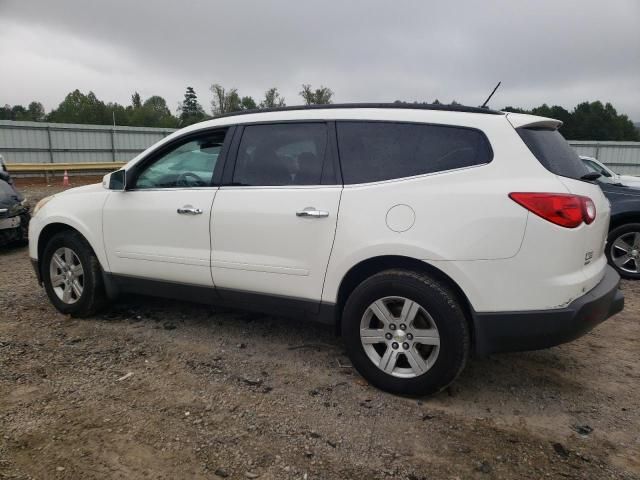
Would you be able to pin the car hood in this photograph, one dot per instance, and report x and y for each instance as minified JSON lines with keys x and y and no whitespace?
{"x":94,"y":187}
{"x":612,"y":190}
{"x":9,"y":196}
{"x":629,"y":179}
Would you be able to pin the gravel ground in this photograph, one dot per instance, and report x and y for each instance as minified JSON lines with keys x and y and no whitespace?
{"x":164,"y":389}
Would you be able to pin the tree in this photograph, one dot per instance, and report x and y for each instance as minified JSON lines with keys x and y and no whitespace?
{"x":320,"y":96}
{"x":587,"y":121}
{"x":272,"y":99}
{"x":136,"y":101}
{"x":80,"y":108}
{"x":154,"y":112}
{"x":248,"y":103}
{"x":190,"y":110}
{"x":36,"y":111}
{"x":225,"y":101}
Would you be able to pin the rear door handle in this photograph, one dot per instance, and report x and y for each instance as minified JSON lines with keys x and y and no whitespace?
{"x":312,"y":212}
{"x":189,"y":210}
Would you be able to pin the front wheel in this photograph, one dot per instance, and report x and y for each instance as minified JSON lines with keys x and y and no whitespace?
{"x":406,"y":333}
{"x":72,"y":276}
{"x":623,"y":250}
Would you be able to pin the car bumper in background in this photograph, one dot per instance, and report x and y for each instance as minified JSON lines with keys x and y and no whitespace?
{"x":532,"y":330}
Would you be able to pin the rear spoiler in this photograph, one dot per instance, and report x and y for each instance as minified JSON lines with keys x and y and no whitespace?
{"x":519,"y":120}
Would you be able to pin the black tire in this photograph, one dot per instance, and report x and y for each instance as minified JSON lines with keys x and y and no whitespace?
{"x":93,"y":293}
{"x":615,"y":234}
{"x":446,"y":312}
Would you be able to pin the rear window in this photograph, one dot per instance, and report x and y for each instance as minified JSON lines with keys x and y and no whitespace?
{"x":553,"y":152}
{"x":375,"y":151}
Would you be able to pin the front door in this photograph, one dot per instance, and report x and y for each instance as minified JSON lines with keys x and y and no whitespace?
{"x":273,"y":226}
{"x":159,"y":227}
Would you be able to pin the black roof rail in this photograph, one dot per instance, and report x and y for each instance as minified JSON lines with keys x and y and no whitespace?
{"x":409,"y":106}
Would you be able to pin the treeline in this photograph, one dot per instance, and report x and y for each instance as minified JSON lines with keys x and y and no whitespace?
{"x":81,"y":108}
{"x":587,"y":121}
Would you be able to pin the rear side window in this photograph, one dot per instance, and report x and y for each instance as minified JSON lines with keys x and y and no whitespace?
{"x":281,"y":154}
{"x":375,"y":151}
{"x":553,"y":152}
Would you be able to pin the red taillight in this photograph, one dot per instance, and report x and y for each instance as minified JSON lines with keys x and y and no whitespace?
{"x":559,"y":208}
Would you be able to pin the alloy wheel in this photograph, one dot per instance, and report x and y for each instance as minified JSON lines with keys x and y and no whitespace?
{"x":399,"y":337}
{"x":67,"y":275}
{"x":625,"y":252}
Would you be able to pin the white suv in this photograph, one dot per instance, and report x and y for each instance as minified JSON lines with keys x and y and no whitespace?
{"x":422,"y":233}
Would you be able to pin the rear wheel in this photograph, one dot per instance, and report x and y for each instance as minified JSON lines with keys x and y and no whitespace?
{"x":623,"y":250}
{"x":405,"y":332}
{"x":72,"y":276}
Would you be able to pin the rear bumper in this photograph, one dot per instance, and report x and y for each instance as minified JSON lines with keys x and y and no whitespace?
{"x":533,"y":330}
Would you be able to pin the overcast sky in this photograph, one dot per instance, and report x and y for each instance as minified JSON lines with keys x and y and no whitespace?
{"x":554,"y":51}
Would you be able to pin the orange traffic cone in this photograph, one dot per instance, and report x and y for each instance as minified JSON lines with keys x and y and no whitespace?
{"x":65,"y":179}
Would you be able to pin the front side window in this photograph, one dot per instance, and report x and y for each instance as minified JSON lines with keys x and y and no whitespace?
{"x":187,"y":165}
{"x":376,"y":151}
{"x":281,"y":155}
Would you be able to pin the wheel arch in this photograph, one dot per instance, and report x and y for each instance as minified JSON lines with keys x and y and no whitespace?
{"x":366,"y":268}
{"x":623,"y":219}
{"x":52,"y":229}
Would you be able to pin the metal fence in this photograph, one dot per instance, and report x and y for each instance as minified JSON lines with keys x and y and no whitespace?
{"x":36,"y":142}
{"x":39,"y":143}
{"x":621,"y":157}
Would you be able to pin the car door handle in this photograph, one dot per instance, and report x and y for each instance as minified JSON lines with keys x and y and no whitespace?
{"x":189,"y":210}
{"x":312,"y":212}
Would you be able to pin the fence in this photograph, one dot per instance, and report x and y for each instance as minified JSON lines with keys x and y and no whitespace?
{"x":36,"y":142}
{"x":33,"y":145}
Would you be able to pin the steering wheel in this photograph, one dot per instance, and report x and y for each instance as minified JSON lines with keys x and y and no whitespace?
{"x":189,"y":179}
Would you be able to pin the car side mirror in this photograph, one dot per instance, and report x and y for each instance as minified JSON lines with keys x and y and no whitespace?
{"x":115,"y":180}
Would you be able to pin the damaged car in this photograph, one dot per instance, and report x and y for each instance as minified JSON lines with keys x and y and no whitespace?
{"x":14,"y":210}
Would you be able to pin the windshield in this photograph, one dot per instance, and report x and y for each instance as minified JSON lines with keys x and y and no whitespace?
{"x":596,"y":167}
{"x":553,"y":152}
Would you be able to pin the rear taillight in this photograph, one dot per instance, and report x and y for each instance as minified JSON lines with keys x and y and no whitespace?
{"x":560,"y":208}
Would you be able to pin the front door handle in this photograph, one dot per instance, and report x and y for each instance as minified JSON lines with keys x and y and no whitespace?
{"x":189,"y":210}
{"x":312,"y":212}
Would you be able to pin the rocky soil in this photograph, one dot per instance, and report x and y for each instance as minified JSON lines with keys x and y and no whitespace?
{"x":163,"y":389}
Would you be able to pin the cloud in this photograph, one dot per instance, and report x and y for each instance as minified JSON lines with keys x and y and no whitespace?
{"x":542,"y":50}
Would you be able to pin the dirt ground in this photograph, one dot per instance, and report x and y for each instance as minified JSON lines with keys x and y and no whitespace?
{"x":164,"y":389}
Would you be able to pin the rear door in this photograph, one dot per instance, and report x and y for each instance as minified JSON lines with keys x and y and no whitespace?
{"x":274,"y":222}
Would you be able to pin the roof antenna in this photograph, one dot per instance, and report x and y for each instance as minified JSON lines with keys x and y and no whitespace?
{"x":484,"y":105}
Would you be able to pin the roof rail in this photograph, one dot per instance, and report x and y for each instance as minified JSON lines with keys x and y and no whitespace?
{"x":410,"y":106}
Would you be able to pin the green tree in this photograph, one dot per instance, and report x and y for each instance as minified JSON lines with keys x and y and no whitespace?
{"x":248,"y":103}
{"x":595,"y":121}
{"x":225,"y":101}
{"x":319,"y":96}
{"x":136,"y":101}
{"x":35,"y":112}
{"x":80,"y":108}
{"x":272,"y":99}
{"x":190,"y":110}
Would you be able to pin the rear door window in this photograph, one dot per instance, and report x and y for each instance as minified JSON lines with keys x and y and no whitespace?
{"x":281,"y":155}
{"x":553,"y":152}
{"x":376,"y":151}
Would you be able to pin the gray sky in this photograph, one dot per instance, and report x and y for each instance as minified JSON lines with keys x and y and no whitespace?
{"x":554,"y":51}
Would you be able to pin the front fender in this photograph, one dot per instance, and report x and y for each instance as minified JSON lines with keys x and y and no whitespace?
{"x":80,"y":210}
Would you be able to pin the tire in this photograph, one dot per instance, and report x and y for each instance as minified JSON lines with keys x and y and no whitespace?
{"x":615,"y":255}
{"x":438,"y":313}
{"x":91,"y":295}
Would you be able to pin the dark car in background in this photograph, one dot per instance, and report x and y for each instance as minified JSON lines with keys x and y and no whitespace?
{"x":623,"y":241}
{"x":14,"y":210}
